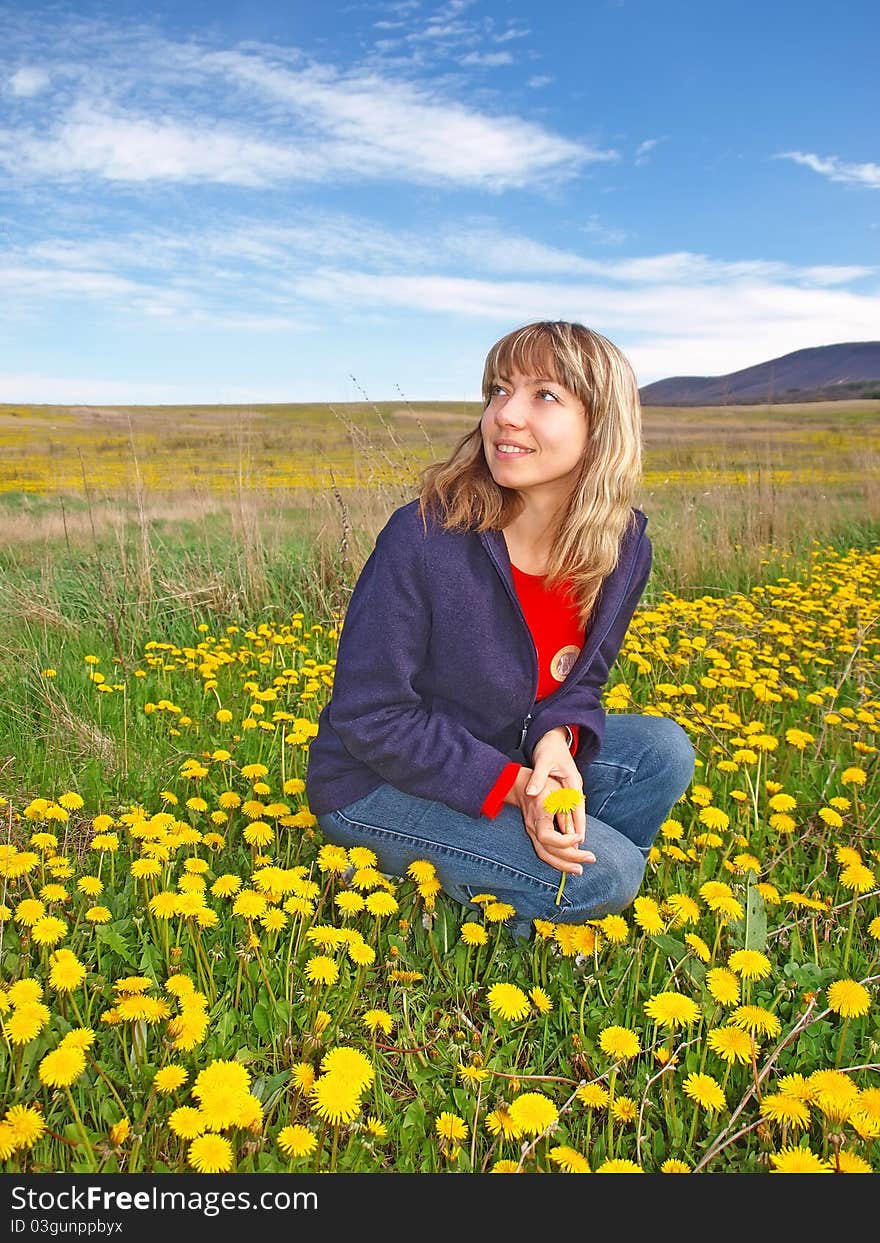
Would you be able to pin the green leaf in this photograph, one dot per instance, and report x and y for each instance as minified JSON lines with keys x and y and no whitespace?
{"x":756,"y":918}
{"x":149,"y":963}
{"x":671,"y":946}
{"x":414,"y":1117}
{"x":262,"y":1021}
{"x":108,"y":934}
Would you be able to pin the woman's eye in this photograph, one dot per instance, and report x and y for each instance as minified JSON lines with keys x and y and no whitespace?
{"x":495,"y":389}
{"x":546,"y":395}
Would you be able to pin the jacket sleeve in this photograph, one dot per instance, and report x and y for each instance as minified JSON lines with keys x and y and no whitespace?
{"x":375,"y":710}
{"x":581,"y":703}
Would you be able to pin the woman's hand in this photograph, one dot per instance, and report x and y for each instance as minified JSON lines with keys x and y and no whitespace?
{"x":551,"y":758}
{"x":560,"y":848}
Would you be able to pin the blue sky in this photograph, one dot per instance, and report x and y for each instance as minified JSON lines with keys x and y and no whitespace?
{"x":230,"y":202}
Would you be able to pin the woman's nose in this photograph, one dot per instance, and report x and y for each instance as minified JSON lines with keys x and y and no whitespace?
{"x":512,"y":410}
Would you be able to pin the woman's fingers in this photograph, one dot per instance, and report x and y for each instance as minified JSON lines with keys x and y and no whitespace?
{"x":559,"y":848}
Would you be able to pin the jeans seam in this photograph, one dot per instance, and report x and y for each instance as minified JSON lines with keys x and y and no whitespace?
{"x":611,"y":793}
{"x":423,"y":844}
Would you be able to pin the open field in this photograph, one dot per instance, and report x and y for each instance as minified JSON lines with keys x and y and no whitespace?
{"x":190,"y":979}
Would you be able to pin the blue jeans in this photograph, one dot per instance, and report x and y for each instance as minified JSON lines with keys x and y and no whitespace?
{"x":645,"y":765}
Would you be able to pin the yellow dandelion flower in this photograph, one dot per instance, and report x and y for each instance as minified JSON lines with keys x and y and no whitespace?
{"x":750,"y":964}
{"x":732,"y":1044}
{"x":303,"y":1076}
{"x":49,"y":930}
{"x":647,"y":916}
{"x":532,"y":1113}
{"x":210,"y":1154}
{"x":320,"y":969}
{"x":348,"y":902}
{"x":450,"y":1128}
{"x":848,"y":998}
{"x":714,"y":818}
{"x":614,"y":928}
{"x":499,"y":1122}
{"x":697,"y":946}
{"x":335,"y":1099}
{"x":381,"y":903}
{"x":508,"y":1002}
{"x":25,"y":990}
{"x":619,"y":1165}
{"x":168,"y":1079}
{"x":66,"y":972}
{"x":757,"y":1021}
{"x":26,"y":1125}
{"x":786,"y":1110}
{"x":798,"y":1161}
{"x":473,"y":933}
{"x":683,"y":908}
{"x":498,"y":912}
{"x":705,"y":1092}
{"x":378,"y":1021}
{"x":619,"y":1043}
{"x":540,"y":1000}
{"x":29,"y":912}
{"x":671,"y":1009}
{"x":857,"y":877}
{"x":249,"y":904}
{"x":296,"y":1141}
{"x":723,"y":985}
{"x":361,"y":953}
{"x":62,"y":1067}
{"x":851,"y":1163}
{"x":350,"y":1064}
{"x":593,"y":1095}
{"x":623,"y":1109}
{"x":569,"y":1160}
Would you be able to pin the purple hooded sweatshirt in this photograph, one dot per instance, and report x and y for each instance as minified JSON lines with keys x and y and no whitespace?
{"x":436,"y":670}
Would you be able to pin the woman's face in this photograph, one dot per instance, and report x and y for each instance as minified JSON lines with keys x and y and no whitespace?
{"x":534,"y":435}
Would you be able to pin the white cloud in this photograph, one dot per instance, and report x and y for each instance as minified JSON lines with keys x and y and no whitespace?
{"x":378,"y":127}
{"x":29,"y":80}
{"x":835,"y":169}
{"x":644,"y":149}
{"x":666,"y":329}
{"x":603,"y":233}
{"x":487,"y":60}
{"x":138,"y":149}
{"x":312,"y":124}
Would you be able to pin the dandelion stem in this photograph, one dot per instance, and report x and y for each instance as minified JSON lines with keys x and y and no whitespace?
{"x":82,"y":1129}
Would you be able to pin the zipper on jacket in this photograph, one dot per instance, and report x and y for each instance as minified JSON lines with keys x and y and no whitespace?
{"x":515,"y":598}
{"x":588,"y":651}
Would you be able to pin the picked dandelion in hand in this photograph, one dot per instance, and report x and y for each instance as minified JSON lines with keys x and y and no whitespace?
{"x":564,"y":800}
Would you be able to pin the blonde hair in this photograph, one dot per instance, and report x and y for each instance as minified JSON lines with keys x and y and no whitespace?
{"x":461,"y":494}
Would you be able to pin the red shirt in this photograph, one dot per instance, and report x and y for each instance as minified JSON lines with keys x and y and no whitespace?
{"x":552,"y":620}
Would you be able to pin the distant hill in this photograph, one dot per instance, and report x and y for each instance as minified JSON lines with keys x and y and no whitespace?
{"x":824,"y":373}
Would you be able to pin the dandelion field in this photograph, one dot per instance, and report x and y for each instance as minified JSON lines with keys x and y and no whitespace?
{"x":191,"y":980}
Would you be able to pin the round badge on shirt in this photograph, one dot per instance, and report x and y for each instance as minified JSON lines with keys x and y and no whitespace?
{"x":562,"y":663}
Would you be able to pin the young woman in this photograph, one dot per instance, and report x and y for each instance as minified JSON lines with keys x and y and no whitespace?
{"x":477,"y":643}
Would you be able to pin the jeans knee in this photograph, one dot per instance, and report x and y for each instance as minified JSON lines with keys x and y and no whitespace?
{"x":609,"y":890}
{"x":675,"y":754}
